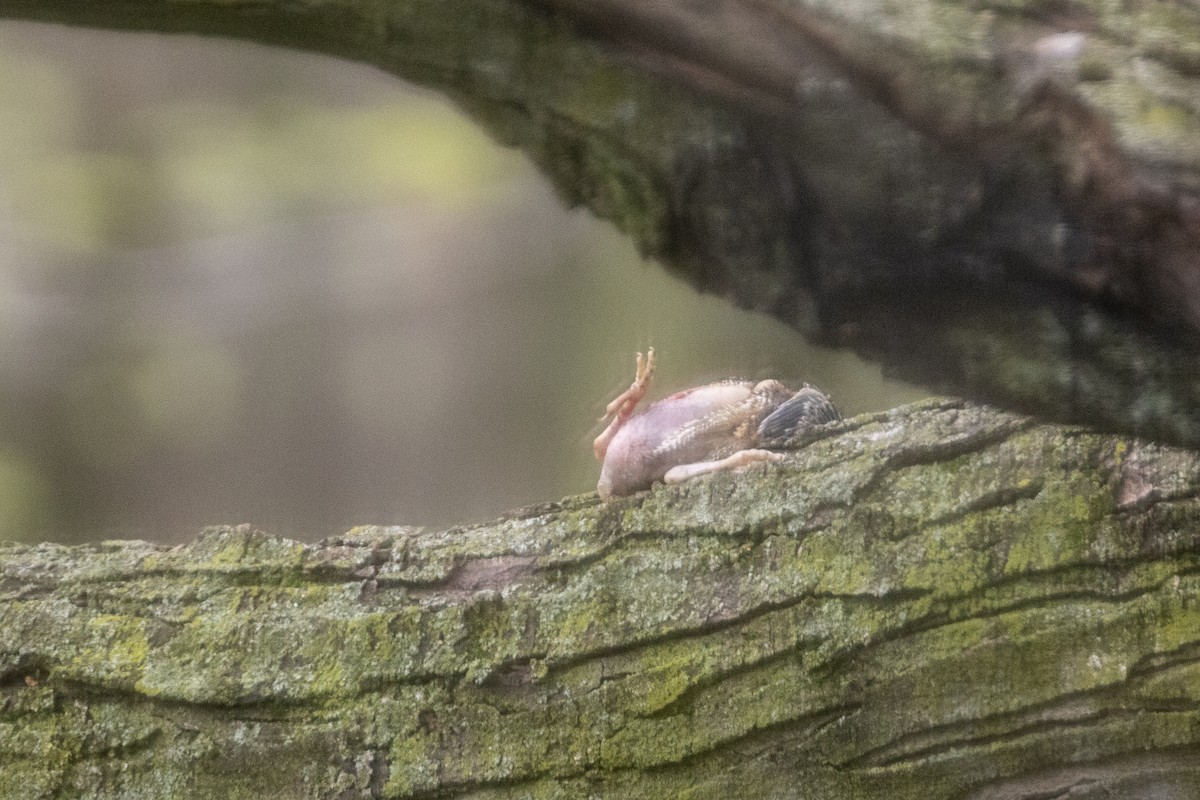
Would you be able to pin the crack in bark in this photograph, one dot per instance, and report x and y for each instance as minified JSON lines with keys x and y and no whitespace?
{"x":942,"y":613}
{"x":1055,"y":782}
{"x":1084,"y":708}
{"x":990,"y":501}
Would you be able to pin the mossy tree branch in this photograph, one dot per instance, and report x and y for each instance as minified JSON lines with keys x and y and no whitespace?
{"x":997,"y":199}
{"x":938,"y":602}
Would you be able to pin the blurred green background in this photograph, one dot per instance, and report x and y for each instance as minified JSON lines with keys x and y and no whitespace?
{"x":242,"y":284}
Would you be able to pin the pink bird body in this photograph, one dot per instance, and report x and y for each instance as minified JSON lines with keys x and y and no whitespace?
{"x":718,"y":426}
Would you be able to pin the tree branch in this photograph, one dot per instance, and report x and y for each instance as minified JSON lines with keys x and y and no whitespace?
{"x":937,"y":602}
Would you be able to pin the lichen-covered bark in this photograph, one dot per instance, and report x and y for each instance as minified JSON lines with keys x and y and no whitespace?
{"x":943,"y":601}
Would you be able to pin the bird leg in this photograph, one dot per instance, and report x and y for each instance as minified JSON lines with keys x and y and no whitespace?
{"x":741,"y":458}
{"x":622,"y":408}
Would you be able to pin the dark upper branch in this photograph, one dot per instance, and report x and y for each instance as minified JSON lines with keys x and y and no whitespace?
{"x":1001,"y":100}
{"x":943,"y":187}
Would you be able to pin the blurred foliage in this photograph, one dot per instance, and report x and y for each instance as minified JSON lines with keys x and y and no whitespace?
{"x":214,"y":166}
{"x":242,"y":284}
{"x":24,"y":504}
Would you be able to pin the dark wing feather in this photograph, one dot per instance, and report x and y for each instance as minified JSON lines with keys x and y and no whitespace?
{"x":807,"y":408}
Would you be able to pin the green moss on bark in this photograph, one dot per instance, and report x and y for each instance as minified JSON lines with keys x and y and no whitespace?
{"x":922,"y":604}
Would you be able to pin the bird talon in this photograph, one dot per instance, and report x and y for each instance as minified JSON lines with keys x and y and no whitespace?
{"x":622,"y":407}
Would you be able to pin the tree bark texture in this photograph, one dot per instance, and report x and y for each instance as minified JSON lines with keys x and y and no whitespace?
{"x":943,"y":601}
{"x":1000,"y":198}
